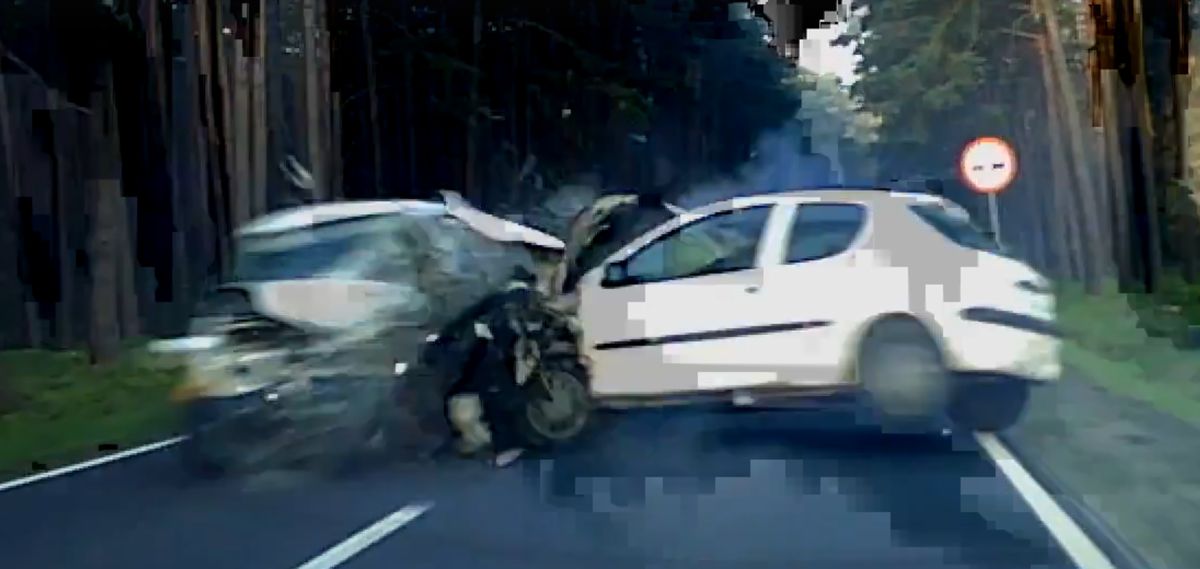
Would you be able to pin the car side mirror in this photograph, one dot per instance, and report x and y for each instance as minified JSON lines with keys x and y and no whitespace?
{"x":615,"y":274}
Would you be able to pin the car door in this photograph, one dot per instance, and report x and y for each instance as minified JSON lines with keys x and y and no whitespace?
{"x":819,"y":289}
{"x":680,"y":319}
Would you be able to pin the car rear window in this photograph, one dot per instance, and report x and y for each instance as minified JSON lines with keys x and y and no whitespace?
{"x":955,"y":228}
{"x":304,"y":252}
{"x":824,"y":230}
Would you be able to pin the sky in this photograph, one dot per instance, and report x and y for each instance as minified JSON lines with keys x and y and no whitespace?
{"x":817,"y":54}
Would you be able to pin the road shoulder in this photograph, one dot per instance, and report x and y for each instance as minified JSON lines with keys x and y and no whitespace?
{"x":1118,"y":466}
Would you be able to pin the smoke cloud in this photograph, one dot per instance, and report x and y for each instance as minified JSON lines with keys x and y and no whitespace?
{"x":781,"y":161}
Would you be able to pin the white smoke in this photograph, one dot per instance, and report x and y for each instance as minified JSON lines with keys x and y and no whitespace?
{"x":776,"y":164}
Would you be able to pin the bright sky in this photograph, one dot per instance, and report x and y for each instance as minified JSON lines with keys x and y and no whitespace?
{"x":817,"y":54}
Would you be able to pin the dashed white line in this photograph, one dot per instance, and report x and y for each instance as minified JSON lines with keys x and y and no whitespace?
{"x":366,"y":537}
{"x":89,"y":464}
{"x":1070,"y":537}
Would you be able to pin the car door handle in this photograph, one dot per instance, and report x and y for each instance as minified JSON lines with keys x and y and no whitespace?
{"x":752,"y":289}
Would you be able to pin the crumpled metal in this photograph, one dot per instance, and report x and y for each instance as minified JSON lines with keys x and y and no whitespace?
{"x":436,"y":267}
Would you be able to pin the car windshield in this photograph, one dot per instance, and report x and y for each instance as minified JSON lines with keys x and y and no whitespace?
{"x":956,"y":228}
{"x":303,"y":253}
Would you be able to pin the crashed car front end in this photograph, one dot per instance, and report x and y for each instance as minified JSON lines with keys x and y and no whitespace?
{"x":301,"y":356}
{"x":286,"y":381}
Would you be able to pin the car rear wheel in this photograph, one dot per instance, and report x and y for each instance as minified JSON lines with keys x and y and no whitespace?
{"x":989,"y":406}
{"x":901,"y":370}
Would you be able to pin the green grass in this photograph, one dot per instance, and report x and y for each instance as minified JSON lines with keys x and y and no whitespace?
{"x":1108,"y":343}
{"x":57,"y":409}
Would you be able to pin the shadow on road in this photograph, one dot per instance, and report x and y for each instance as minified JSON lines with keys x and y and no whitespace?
{"x":934,"y":491}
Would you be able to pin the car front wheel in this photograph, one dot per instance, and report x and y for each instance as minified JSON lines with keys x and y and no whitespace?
{"x":558,"y":407}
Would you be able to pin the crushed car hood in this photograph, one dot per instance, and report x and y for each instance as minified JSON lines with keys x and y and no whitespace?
{"x":323,"y":303}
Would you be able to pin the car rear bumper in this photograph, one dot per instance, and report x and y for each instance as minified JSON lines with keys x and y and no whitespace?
{"x":990,"y":341}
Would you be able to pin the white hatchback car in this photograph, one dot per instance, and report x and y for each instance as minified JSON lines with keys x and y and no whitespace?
{"x":817,"y":292}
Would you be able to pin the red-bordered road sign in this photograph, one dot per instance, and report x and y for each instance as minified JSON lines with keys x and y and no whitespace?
{"x":988,"y":165}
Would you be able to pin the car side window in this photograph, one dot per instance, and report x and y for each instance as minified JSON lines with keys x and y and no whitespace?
{"x":723,"y":242}
{"x":824,"y":230}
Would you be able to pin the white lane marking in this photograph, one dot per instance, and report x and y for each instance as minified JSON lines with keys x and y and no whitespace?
{"x":366,"y":537}
{"x":89,"y":463}
{"x":1070,"y":537}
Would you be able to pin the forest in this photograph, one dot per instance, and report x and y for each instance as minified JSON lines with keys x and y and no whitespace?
{"x":1093,"y":95}
{"x":137,"y":134}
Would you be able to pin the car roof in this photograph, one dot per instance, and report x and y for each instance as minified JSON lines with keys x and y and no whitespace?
{"x":318,"y":214}
{"x":865,"y":194}
{"x":495,"y":228}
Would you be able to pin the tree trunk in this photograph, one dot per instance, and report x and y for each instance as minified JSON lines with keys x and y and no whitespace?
{"x":336,"y":168}
{"x":126,"y":269}
{"x":152,"y":23}
{"x":312,"y":100}
{"x":1118,"y":176}
{"x":328,"y":149}
{"x":1096,"y":261}
{"x":1146,"y":190}
{"x":1069,"y":239}
{"x":1039,"y":243}
{"x":65,"y":145}
{"x":15,"y":331}
{"x":214,"y":134}
{"x":1190,"y":234}
{"x":470,"y":190}
{"x":261,"y":126}
{"x":372,"y":96}
{"x":105,"y":189}
{"x":410,"y":126}
{"x":241,"y":149}
{"x":196,"y":169}
{"x":231,"y":84}
{"x":1166,"y":34}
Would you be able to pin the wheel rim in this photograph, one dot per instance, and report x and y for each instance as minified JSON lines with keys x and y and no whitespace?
{"x":914,"y":385}
{"x":560,"y":414}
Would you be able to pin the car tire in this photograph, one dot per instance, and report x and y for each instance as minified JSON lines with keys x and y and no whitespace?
{"x":567,"y":377}
{"x":989,"y":406}
{"x":901,"y":370}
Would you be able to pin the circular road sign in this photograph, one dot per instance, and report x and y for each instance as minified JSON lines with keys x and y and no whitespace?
{"x":988,"y":165}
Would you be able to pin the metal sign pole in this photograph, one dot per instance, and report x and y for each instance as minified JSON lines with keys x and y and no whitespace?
{"x":994,"y":213}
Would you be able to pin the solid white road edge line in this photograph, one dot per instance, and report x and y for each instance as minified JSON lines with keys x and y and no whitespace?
{"x":366,"y":537}
{"x":89,"y":463}
{"x":1070,"y":537}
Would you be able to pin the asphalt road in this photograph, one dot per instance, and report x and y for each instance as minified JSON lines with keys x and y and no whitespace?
{"x":653,"y":489}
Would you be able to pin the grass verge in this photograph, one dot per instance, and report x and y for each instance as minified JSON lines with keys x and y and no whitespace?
{"x":58,"y":409}
{"x":1107,"y":343}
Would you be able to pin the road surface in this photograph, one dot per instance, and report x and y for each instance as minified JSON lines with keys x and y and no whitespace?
{"x":653,"y":489}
